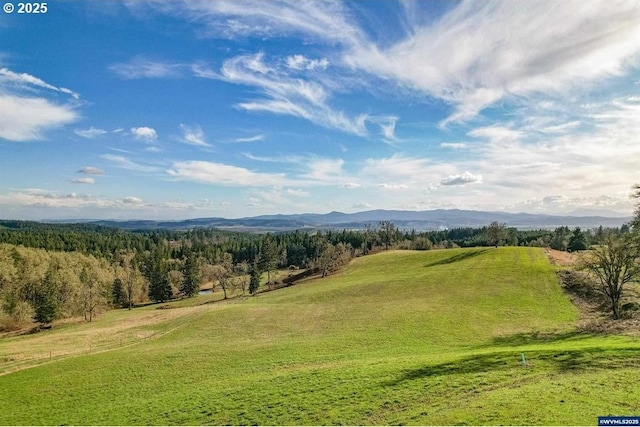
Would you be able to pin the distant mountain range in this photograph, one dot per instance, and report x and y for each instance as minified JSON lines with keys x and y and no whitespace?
{"x":418,"y":220}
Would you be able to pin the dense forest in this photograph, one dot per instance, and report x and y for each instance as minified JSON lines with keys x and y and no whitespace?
{"x":52,"y":271}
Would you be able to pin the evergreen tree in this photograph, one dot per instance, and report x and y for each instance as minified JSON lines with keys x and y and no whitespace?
{"x":190,"y":285}
{"x":118,"y":296}
{"x":578,"y":241}
{"x":157,"y":274}
{"x":254,"y":279}
{"x":46,"y":301}
{"x":269,"y":255}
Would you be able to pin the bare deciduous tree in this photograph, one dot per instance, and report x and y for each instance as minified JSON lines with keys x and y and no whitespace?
{"x":613,"y":264}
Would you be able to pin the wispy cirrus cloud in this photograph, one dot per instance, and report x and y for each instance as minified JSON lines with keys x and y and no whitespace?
{"x":471,"y":57}
{"x":23,"y":80}
{"x":288,"y":95}
{"x":90,"y":133}
{"x":387,"y":126}
{"x":140,"y":67}
{"x":254,"y":138}
{"x":25,"y":117}
{"x":322,"y":20}
{"x":124,"y":163}
{"x":481,"y":52}
{"x":193,"y":136}
{"x":301,"y":62}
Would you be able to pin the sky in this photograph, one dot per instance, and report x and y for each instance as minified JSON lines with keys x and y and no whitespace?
{"x":183,"y":109}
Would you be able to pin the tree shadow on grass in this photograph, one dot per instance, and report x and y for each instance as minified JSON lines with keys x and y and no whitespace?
{"x":536,"y":337}
{"x":511,"y":357}
{"x":467,"y":365}
{"x":457,"y":258}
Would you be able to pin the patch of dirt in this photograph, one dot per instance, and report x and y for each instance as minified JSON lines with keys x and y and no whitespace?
{"x":595,"y":311}
{"x":561,"y":258}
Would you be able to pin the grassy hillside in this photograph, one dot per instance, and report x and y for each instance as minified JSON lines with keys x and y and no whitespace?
{"x":431,"y":337}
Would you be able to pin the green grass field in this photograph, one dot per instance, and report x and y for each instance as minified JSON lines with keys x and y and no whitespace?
{"x":432,"y":337}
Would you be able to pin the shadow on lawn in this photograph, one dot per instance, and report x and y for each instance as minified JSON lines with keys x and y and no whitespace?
{"x":511,"y":358}
{"x":457,"y":258}
{"x":529,"y":338}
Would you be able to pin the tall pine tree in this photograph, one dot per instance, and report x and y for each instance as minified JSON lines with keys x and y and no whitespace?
{"x":45,"y":300}
{"x":190,"y":285}
{"x":156,"y":273}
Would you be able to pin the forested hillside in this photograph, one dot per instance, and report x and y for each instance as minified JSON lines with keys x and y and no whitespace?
{"x":53,"y":271}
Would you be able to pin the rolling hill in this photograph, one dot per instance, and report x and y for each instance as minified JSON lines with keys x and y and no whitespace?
{"x":427,"y":338}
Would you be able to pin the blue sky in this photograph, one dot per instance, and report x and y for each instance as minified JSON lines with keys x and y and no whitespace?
{"x":179,"y":109}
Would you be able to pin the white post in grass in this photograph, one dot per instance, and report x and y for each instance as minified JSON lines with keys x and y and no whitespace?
{"x":524,"y":361}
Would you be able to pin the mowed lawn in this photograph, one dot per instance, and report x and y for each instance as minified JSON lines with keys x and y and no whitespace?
{"x":401,"y":337}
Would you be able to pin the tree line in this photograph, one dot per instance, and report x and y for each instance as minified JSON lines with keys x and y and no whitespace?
{"x":50,"y":271}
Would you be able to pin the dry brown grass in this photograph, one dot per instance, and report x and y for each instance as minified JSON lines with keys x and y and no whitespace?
{"x":561,"y":258}
{"x":595,"y":314}
{"x":595,"y":311}
{"x":115,"y":329}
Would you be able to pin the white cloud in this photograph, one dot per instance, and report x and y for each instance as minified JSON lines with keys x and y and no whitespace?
{"x":24,"y":80}
{"x":387,"y":186}
{"x":193,"y":136}
{"x":465,"y":178}
{"x":131,"y":200}
{"x":255,"y":138}
{"x":124,"y":163}
{"x":87,"y":180}
{"x":222,"y":174}
{"x":90,"y":133}
{"x":473,"y":56}
{"x":301,"y":62}
{"x":144,"y":133}
{"x":399,"y":168}
{"x":287,"y":95}
{"x":90,"y":170}
{"x":140,"y":67}
{"x":26,"y":119}
{"x":351,"y":185}
{"x":68,"y":202}
{"x":454,"y":145}
{"x":321,"y":20}
{"x":481,"y":52}
{"x":324,"y":171}
{"x":496,"y":133}
{"x":387,"y":126}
